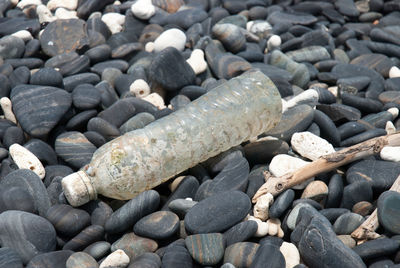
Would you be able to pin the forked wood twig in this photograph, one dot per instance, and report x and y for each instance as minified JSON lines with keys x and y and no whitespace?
{"x":276,"y":185}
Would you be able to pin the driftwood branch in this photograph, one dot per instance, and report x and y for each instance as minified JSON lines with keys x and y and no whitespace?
{"x":276,"y":185}
{"x":367,"y":229}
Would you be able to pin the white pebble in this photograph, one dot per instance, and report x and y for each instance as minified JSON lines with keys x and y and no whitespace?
{"x":274,"y":228}
{"x":6,"y":106}
{"x":44,"y":14}
{"x":274,"y":42}
{"x":290,"y":253}
{"x":309,"y":96}
{"x":156,"y":100}
{"x":310,"y":146}
{"x":24,"y":159}
{"x":140,"y":88}
{"x":390,"y":153}
{"x":394,"y":72}
{"x":24,"y":35}
{"x":64,"y":14}
{"x":261,"y":208}
{"x":170,"y":38}
{"x":197,"y":61}
{"x":260,"y":28}
{"x":394,"y":111}
{"x":282,"y":164}
{"x":114,"y":21}
{"x":116,"y":259}
{"x":24,"y":3}
{"x":143,"y":9}
{"x":390,"y":128}
{"x":149,"y":47}
{"x":68,"y":4}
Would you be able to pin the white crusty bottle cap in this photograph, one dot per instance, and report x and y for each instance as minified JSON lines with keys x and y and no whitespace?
{"x":78,"y":188}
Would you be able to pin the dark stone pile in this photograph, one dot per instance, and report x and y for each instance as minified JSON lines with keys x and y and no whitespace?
{"x":75,"y":74}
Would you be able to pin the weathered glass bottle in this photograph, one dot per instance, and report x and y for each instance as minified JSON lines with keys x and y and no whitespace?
{"x":240,"y":109}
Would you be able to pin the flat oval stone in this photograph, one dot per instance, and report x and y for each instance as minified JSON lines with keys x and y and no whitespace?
{"x":240,"y":232}
{"x":74,"y":148}
{"x":72,"y":81}
{"x":355,"y":192}
{"x":86,"y":97}
{"x":376,"y":248}
{"x":170,"y":70}
{"x":347,"y":223}
{"x":139,"y":120}
{"x":103,"y":127}
{"x":295,"y":119}
{"x":99,"y":68}
{"x":10,"y":258}
{"x":147,"y":260}
{"x":80,"y":120}
{"x":81,"y":259}
{"x":232,"y":177}
{"x":293,"y":18}
{"x":28,"y":234}
{"x":158,"y":225}
{"x":187,"y":188}
{"x":50,"y":259}
{"x":377,"y":62}
{"x":335,"y":192}
{"x":62,"y":36}
{"x":67,"y":220}
{"x":333,"y":213}
{"x":134,"y":245}
{"x":281,"y":204}
{"x":176,"y":255}
{"x":319,"y":235}
{"x":98,"y":249}
{"x":339,"y":112}
{"x":126,"y":216}
{"x":328,"y":128}
{"x":87,"y":236}
{"x":212,"y":214}
{"x":206,"y":249}
{"x":30,"y":182}
{"x":12,"y":47}
{"x":39,"y":108}
{"x":125,"y":108}
{"x":181,"y":206}
{"x":268,"y":253}
{"x":388,"y":207}
{"x":369,"y":134}
{"x":241,"y":254}
{"x":380,"y":174}
{"x":230,"y":36}
{"x":47,"y":77}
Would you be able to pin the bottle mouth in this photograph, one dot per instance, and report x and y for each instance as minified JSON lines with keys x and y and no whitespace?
{"x":78,"y":188}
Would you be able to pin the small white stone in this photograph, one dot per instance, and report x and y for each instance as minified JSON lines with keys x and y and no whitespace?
{"x":156,"y":100}
{"x":261,"y":28}
{"x":116,"y":259}
{"x":274,"y":227}
{"x":140,"y":88}
{"x":170,"y":38}
{"x":390,"y":153}
{"x":197,"y":61}
{"x":394,"y":72}
{"x":309,"y":96}
{"x":143,"y":9}
{"x":310,"y":146}
{"x":24,"y":159}
{"x":274,"y":42}
{"x":6,"y":106}
{"x":282,"y":164}
{"x":390,"y":128}
{"x":68,"y":4}
{"x":149,"y":47}
{"x":24,"y":35}
{"x":44,"y":14}
{"x":261,"y":208}
{"x":334,"y":90}
{"x":290,"y":253}
{"x":114,"y":21}
{"x":64,"y":14}
{"x":394,"y":111}
{"x":24,"y":3}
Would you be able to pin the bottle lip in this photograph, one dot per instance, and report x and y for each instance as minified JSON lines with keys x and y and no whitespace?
{"x":78,"y":188}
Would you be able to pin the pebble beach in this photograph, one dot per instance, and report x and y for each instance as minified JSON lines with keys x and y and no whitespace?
{"x":77,"y":74}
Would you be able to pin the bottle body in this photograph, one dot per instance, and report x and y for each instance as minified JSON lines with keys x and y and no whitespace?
{"x":242,"y":108}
